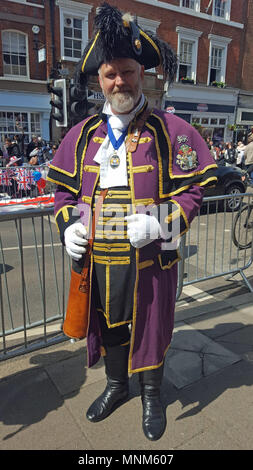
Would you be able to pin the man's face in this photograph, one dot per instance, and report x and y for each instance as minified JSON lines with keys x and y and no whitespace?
{"x":121,"y":82}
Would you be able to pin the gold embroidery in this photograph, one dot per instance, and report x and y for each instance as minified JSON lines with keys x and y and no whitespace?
{"x":114,"y":248}
{"x":91,"y":168}
{"x":98,"y":140}
{"x":170,"y":263}
{"x":146,"y":264}
{"x":144,"y":140}
{"x":115,"y":260}
{"x":143,"y":168}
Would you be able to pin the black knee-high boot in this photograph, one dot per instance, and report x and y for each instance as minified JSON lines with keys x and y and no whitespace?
{"x":154,"y":418}
{"x":116,"y":391}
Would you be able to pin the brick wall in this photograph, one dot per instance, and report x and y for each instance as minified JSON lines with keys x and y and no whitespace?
{"x":21,"y":18}
{"x":25,"y":16}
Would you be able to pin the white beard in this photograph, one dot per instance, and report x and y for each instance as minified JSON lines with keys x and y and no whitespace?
{"x":122,"y":102}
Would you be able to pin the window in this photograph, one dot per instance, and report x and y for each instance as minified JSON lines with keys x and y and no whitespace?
{"x":148,"y":25}
{"x":185,"y":59}
{"x":192,"y":4}
{"x":217,"y":58}
{"x":187,"y":52}
{"x":73,"y":28}
{"x":188,"y":4}
{"x":212,"y":127}
{"x":245,"y":116}
{"x":14,"y":53}
{"x":221,"y":8}
{"x":11,"y":122}
{"x":72,"y":37}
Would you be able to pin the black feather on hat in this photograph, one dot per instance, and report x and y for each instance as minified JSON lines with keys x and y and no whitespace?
{"x":117,"y":35}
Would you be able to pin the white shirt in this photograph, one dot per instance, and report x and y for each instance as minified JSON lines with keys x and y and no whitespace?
{"x":111,"y":177}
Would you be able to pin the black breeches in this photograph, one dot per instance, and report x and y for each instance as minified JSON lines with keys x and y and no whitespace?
{"x":110,"y":336}
{"x":113,"y":336}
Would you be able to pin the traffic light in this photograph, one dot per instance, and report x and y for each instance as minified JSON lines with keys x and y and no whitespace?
{"x":78,"y":103}
{"x":59,"y":102}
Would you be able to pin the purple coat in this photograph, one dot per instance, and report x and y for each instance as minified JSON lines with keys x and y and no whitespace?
{"x":169,"y":168}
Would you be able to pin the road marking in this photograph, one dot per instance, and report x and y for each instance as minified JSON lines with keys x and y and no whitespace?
{"x":195,"y":293}
{"x":47,"y":245}
{"x":39,"y":330}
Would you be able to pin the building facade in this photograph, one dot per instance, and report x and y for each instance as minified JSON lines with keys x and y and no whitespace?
{"x":43,"y":39}
{"x":24,"y":101}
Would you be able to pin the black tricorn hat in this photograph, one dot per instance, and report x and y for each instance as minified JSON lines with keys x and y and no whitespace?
{"x":117,"y":35}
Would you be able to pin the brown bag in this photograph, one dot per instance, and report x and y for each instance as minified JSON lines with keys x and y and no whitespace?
{"x":77,"y":315}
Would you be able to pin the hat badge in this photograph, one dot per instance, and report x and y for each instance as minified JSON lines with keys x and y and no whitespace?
{"x":137,"y":44}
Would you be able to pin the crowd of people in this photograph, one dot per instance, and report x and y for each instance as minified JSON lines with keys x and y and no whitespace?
{"x":14,"y":152}
{"x":24,"y":168}
{"x":235,"y":154}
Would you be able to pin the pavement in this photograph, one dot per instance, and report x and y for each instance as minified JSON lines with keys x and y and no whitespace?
{"x":207,"y":389}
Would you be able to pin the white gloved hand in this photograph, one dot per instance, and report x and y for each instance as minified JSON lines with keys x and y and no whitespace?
{"x":75,"y":240}
{"x":142,"y":229}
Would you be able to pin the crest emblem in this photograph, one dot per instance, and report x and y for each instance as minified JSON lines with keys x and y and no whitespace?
{"x":187,"y":158}
{"x":182,"y":138}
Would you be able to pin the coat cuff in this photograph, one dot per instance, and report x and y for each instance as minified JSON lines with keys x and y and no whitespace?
{"x":65,"y":217}
{"x":172,"y":220}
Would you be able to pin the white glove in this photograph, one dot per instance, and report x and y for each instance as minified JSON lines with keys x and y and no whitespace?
{"x":142,"y":229}
{"x":75,"y":240}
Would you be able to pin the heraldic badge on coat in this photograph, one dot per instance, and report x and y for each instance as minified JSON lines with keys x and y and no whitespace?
{"x":186,"y":158}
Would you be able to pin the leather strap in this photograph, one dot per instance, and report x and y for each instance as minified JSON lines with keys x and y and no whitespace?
{"x":85,"y":270}
{"x":134,"y":137}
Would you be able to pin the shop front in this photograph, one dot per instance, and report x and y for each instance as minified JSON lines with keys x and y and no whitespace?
{"x":212,"y":112}
{"x":29,"y":112}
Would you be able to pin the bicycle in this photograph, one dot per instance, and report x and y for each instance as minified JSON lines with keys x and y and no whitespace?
{"x":242,"y":231}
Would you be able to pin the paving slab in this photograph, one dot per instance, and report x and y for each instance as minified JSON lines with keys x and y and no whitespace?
{"x":72,"y":374}
{"x":217,"y":324}
{"x":211,"y":439}
{"x":33,"y":414}
{"x":193,"y":356}
{"x":225,"y":398}
{"x":240,"y":300}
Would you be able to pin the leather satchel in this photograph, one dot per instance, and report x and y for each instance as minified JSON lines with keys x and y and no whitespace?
{"x":77,"y":314}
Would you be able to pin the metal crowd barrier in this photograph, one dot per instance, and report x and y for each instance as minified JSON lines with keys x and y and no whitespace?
{"x":208,"y":250}
{"x":34,"y":279}
{"x":35,"y":269}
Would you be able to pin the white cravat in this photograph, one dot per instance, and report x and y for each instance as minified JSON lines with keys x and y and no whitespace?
{"x":111,"y":177}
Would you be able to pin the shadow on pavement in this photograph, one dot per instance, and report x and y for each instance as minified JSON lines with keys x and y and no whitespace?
{"x":26,"y":397}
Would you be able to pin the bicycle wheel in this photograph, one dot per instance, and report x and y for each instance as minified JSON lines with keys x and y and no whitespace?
{"x":243,"y":228}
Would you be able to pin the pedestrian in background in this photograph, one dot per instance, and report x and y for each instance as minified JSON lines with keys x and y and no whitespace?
{"x":230,"y":154}
{"x":31,"y":146}
{"x":248,"y":155}
{"x":12,"y":149}
{"x":240,"y":158}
